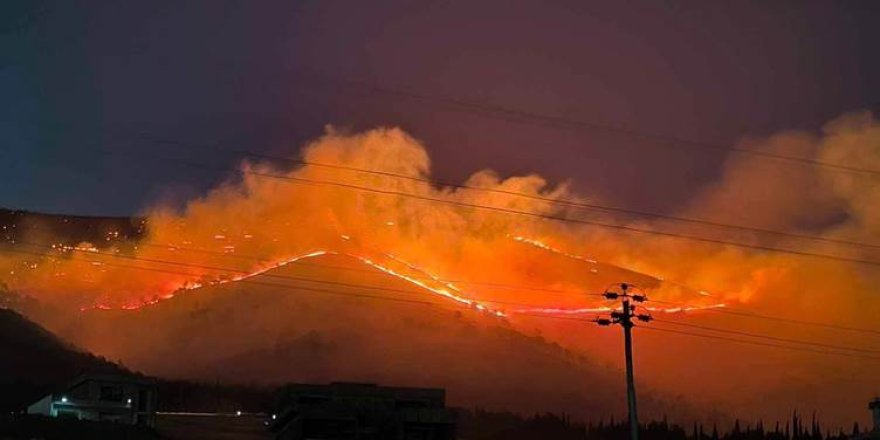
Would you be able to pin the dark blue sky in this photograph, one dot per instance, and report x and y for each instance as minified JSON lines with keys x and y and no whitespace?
{"x":79,"y":79}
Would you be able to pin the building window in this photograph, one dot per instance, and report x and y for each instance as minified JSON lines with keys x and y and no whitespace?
{"x":111,"y":393}
{"x":143,"y":395}
{"x":400,"y":404}
{"x":66,"y":414}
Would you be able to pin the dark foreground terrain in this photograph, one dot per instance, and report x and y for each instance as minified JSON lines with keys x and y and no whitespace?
{"x":472,"y":425}
{"x":168,"y":426}
{"x":213,"y":426}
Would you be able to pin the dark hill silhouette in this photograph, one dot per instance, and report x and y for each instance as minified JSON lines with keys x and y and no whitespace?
{"x":16,"y":225}
{"x":35,"y":361}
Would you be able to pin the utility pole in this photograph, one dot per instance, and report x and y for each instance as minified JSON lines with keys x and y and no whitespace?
{"x":624,"y":317}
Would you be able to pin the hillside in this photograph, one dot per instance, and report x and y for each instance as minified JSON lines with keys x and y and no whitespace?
{"x":269,"y":331}
{"x":278,"y":328}
{"x":36,"y":361}
{"x":17,"y":225}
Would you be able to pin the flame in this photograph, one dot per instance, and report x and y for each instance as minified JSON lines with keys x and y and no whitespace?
{"x":281,"y":216}
{"x":435,"y":239}
{"x":547,"y":247}
{"x":263,"y":224}
{"x":686,"y":309}
{"x":436,"y":286}
{"x":587,"y":310}
{"x":563,"y":311}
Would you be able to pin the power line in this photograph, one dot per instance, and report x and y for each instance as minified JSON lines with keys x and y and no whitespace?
{"x":626,"y":318}
{"x":739,"y":312}
{"x":352,"y":285}
{"x":558,"y":121}
{"x":772,"y":338}
{"x":364,"y":270}
{"x":764,"y":344}
{"x":380,"y":297}
{"x":314,"y":182}
{"x":726,"y":309}
{"x":561,"y":202}
{"x":434,"y":304}
{"x":288,"y":286}
{"x":245,"y":272}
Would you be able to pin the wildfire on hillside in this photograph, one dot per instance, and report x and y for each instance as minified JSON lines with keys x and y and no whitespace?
{"x":442,"y":240}
{"x":495,"y":246}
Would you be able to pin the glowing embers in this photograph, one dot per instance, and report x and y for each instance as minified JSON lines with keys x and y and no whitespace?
{"x":603,"y":309}
{"x":427,"y":281}
{"x":563,"y":311}
{"x":85,"y":247}
{"x":547,"y":247}
{"x":394,"y":266}
{"x":599,"y":309}
{"x":190,"y":285}
{"x":685,"y":309}
{"x":397,"y":267}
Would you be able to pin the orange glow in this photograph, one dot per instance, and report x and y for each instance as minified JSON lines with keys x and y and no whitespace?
{"x":243,"y":230}
{"x":507,"y":269}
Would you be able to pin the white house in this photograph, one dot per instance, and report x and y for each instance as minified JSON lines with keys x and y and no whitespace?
{"x":108,"y":397}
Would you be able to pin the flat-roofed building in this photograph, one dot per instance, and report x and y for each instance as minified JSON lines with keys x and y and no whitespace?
{"x":363,"y":412}
{"x":102,"y":397}
{"x":874,"y":406}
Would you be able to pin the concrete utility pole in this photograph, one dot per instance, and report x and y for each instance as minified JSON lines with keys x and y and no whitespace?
{"x":624,"y":318}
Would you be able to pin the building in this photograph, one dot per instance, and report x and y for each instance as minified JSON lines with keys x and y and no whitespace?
{"x":363,"y":412}
{"x":874,"y":433}
{"x":109,"y":397}
{"x":874,"y":406}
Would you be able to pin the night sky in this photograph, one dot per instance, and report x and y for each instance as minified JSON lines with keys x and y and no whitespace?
{"x":81,"y":82}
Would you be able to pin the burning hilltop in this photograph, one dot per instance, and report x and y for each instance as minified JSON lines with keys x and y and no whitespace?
{"x":270,"y":329}
{"x":270,"y":217}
